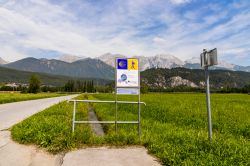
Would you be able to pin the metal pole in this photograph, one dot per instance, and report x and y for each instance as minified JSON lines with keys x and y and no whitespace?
{"x":139,"y":117}
{"x":74,"y":114}
{"x":139,"y":105}
{"x":208,"y":104}
{"x":116,"y":112}
{"x":116,"y":96}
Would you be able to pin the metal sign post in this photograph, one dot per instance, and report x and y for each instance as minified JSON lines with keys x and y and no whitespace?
{"x":127,"y":81}
{"x":208,"y":58}
{"x":209,"y":118}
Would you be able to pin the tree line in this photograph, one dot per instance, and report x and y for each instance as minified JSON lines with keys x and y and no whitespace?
{"x":35,"y":86}
{"x":80,"y":86}
{"x":90,"y":87}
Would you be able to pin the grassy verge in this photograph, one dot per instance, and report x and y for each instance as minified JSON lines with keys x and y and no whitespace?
{"x":14,"y":97}
{"x":174,"y":128}
{"x":51,"y":128}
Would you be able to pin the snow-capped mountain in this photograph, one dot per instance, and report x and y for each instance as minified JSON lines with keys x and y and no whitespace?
{"x":158,"y":61}
{"x":226,"y":65}
{"x":170,"y":61}
{"x":109,"y":58}
{"x":2,"y":61}
{"x":70,"y":58}
{"x":193,"y":60}
{"x":164,"y":61}
{"x":194,"y":63}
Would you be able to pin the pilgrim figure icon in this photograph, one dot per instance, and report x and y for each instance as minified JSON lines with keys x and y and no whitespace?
{"x":132,"y":64}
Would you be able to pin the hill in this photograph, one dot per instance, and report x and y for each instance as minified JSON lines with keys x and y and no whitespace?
{"x":154,"y":78}
{"x":168,"y":78}
{"x":12,"y":75}
{"x":86,"y":68}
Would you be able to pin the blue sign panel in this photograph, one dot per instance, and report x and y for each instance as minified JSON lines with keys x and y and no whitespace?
{"x":127,"y":91}
{"x":122,"y":64}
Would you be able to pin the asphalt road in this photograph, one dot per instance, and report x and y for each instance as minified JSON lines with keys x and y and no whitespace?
{"x":12,"y":113}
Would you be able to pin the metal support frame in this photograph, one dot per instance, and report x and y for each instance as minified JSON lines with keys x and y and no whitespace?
{"x":105,"y":122}
{"x":107,"y":101}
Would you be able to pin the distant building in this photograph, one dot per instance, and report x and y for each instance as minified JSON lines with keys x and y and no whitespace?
{"x":13,"y":85}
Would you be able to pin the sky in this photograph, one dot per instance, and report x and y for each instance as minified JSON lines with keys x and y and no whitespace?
{"x":183,"y":28}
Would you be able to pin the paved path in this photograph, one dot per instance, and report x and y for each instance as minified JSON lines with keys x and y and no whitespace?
{"x":105,"y":156}
{"x":12,"y":113}
{"x":12,"y":153}
{"x":15,"y":154}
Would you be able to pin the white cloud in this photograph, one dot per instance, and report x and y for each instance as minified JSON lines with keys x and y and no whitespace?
{"x":32,"y":30}
{"x":159,"y":40}
{"x":180,"y":1}
{"x":10,"y":54}
{"x":126,"y":27}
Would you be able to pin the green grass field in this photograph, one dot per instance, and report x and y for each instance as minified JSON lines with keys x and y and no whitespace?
{"x":174,"y":128}
{"x":7,"y":97}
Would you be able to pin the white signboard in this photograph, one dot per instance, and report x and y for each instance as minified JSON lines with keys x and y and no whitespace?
{"x":127,"y":73}
{"x":127,"y":91}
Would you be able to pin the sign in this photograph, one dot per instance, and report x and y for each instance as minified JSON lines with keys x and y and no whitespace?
{"x":127,"y":91}
{"x":209,"y":58}
{"x":127,"y":82}
{"x":127,"y":73}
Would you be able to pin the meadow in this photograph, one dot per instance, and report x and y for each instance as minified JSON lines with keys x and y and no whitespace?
{"x":8,"y":97}
{"x":173,"y":128}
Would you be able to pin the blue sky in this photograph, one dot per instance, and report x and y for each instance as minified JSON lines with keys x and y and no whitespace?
{"x":50,"y":28}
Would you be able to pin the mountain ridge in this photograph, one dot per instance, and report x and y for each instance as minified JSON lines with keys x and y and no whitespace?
{"x":22,"y":77}
{"x":168,"y":78}
{"x":70,"y":58}
{"x":103,"y":66}
{"x":153,"y":78}
{"x":86,"y":68}
{"x":170,"y":61}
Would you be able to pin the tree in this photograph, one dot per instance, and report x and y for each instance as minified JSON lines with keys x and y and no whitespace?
{"x":69,"y":86}
{"x":34,"y":85}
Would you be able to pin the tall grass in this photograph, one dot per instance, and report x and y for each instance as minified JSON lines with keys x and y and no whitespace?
{"x":174,"y":128}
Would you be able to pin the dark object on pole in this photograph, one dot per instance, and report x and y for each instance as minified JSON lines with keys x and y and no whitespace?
{"x":208,"y":58}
